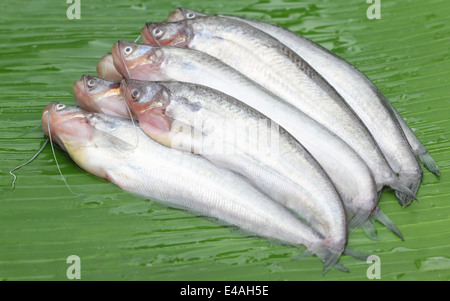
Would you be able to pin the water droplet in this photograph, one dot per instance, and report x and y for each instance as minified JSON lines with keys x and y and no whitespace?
{"x":91,"y":202}
{"x":433,"y":263}
{"x":401,"y":249}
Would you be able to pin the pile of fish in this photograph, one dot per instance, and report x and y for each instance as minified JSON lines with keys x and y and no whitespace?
{"x":246,"y":122}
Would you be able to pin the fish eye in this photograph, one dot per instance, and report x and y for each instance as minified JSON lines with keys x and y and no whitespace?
{"x":190,"y":15}
{"x":60,"y":106}
{"x":157,"y":32}
{"x":91,"y":83}
{"x":135,"y":94}
{"x":128,"y":50}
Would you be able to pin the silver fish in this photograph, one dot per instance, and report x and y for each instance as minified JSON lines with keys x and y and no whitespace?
{"x":232,"y":135}
{"x":116,"y":150}
{"x":355,"y":87}
{"x":347,"y":170}
{"x":418,"y":148}
{"x":273,"y":65}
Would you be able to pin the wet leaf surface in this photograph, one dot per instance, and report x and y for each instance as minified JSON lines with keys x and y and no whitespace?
{"x":122,"y":237}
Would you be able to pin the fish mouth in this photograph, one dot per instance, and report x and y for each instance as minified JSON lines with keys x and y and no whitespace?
{"x":81,"y":95}
{"x":48,"y":125}
{"x":45,"y":119}
{"x":147,"y":36}
{"x":176,"y":15}
{"x":118,"y":60}
{"x":59,"y":120}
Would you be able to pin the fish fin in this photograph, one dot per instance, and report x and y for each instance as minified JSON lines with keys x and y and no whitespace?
{"x":379,"y":196}
{"x":369,"y":228}
{"x":358,"y":219}
{"x":382,"y":218}
{"x":306,"y":253}
{"x":328,"y":254}
{"x":330,"y":259}
{"x":429,"y":163}
{"x":116,"y":143}
{"x":356,"y":254}
{"x":340,"y":267}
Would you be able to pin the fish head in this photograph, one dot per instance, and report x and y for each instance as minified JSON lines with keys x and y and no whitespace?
{"x":178,"y":34}
{"x":176,"y":15}
{"x":142,"y":96}
{"x":148,"y":102}
{"x":67,"y":126}
{"x":106,"y":68}
{"x":181,"y":13}
{"x":138,"y":61}
{"x":95,"y":94}
{"x":81,"y":134}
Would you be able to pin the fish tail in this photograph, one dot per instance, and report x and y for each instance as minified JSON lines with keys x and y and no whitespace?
{"x":429,"y":163}
{"x":404,"y":194}
{"x":306,"y":253}
{"x":405,"y":199}
{"x":329,"y":252}
{"x":356,"y":254}
{"x":382,"y":218}
{"x":361,"y":220}
{"x":330,"y":259}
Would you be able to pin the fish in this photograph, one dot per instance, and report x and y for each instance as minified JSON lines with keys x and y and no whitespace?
{"x":347,"y":170}
{"x":357,"y":90}
{"x":99,"y":95}
{"x":106,"y":69}
{"x":232,"y":135}
{"x":116,"y":149}
{"x":271,"y":64}
{"x":314,"y":54}
{"x":349,"y":173}
{"x":358,"y":205}
{"x":418,"y":148}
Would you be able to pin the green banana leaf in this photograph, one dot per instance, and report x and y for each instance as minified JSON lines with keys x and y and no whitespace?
{"x":118,"y":236}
